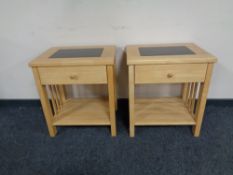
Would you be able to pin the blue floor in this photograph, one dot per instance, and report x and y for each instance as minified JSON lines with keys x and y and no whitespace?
{"x":27,"y":149}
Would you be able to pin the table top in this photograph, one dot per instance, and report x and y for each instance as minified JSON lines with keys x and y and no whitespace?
{"x":168,"y":54}
{"x":76,"y":55}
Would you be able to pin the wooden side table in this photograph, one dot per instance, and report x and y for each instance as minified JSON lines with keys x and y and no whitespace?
{"x":62,"y":66}
{"x":169,"y":63}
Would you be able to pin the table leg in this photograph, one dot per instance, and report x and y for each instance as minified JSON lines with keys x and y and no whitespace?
{"x":45,"y":103}
{"x":202,"y":101}
{"x":131,"y":101}
{"x":115,"y":85}
{"x":111,"y":94}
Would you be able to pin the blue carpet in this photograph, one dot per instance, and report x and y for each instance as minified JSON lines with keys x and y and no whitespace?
{"x":27,"y":149}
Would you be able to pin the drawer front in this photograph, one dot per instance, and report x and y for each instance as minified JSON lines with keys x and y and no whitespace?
{"x":173,"y":73}
{"x":73,"y":75}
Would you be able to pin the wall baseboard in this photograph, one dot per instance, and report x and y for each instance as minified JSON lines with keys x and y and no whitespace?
{"x":36,"y":102}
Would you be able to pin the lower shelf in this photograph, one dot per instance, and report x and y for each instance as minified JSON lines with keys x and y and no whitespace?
{"x":162,"y":111}
{"x":83,"y":112}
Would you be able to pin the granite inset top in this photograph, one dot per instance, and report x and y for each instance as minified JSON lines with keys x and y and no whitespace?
{"x":77,"y":53}
{"x":168,"y":50}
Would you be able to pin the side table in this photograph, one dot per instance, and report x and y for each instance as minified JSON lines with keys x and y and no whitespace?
{"x":187,"y":64}
{"x":61,"y":66}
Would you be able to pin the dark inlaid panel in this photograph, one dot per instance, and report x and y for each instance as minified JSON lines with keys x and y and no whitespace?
{"x":160,"y":51}
{"x":76,"y":53}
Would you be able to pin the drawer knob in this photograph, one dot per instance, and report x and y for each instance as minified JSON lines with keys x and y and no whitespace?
{"x":170,"y":75}
{"x":74,"y":77}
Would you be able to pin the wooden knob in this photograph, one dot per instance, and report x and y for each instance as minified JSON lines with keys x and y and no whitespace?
{"x":74,"y":77}
{"x":170,"y":75}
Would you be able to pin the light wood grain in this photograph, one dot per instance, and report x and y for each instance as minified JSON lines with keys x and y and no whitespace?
{"x":62,"y":92}
{"x":202,"y":101}
{"x":172,"y":73}
{"x":83,"y":112}
{"x":111,"y":95}
{"x":162,"y":111}
{"x":56,"y":73}
{"x":201,"y":56}
{"x":184,"y":91}
{"x":190,"y":70}
{"x":73,"y":75}
{"x":54,"y":103}
{"x":57,"y":97}
{"x":107,"y":58}
{"x":189,"y":85}
{"x":191,"y":96}
{"x":193,"y":100}
{"x":45,"y":103}
{"x":131,"y":102}
{"x":116,"y":87}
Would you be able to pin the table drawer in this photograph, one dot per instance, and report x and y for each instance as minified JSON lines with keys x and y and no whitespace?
{"x":172,"y":73}
{"x":73,"y":75}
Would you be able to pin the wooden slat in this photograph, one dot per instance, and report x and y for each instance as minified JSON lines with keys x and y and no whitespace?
{"x":188,"y":94}
{"x":58,"y":96}
{"x":191,"y":96}
{"x":62,"y":92}
{"x":53,"y":91}
{"x":194,"y":99}
{"x":55,"y":110}
{"x":184,"y":91}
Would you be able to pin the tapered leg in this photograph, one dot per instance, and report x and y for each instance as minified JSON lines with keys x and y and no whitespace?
{"x":111,"y":94}
{"x":45,"y":103}
{"x":131,"y":101}
{"x":202,"y":101}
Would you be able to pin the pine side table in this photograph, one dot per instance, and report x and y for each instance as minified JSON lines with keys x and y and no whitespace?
{"x":62,"y":66}
{"x":169,"y":63}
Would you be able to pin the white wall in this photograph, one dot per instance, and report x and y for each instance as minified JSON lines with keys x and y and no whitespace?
{"x":28,"y":27}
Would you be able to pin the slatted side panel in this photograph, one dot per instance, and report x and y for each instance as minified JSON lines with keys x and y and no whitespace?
{"x":190,"y":96}
{"x":56,"y":97}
